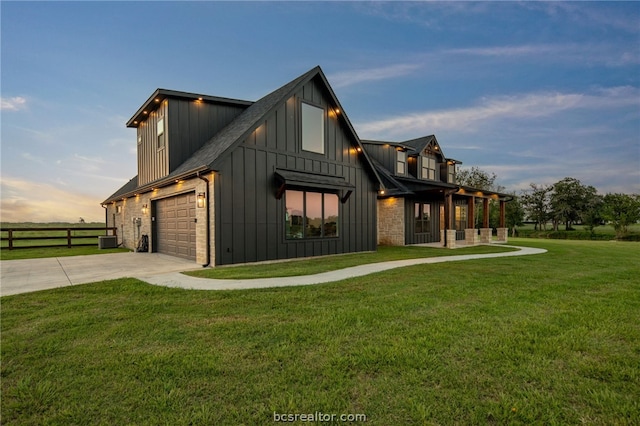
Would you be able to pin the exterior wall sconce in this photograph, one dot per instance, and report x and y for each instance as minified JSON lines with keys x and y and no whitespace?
{"x":200,"y":200}
{"x":145,"y":209}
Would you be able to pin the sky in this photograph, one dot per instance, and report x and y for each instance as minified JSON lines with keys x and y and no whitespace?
{"x":531,"y":91}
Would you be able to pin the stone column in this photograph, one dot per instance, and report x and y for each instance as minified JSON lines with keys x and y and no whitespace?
{"x":485,"y":235}
{"x":471,"y":237}
{"x":451,"y":238}
{"x":442,"y":237}
{"x":503,"y":234}
{"x":391,"y":221}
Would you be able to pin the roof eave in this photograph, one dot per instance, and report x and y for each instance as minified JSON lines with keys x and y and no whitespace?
{"x":159,"y":95}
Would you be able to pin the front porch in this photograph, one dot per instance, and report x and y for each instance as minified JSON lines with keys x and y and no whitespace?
{"x":472,"y":238}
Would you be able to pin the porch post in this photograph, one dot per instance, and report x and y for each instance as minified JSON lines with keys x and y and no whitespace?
{"x":485,"y":213}
{"x":503,"y":232}
{"x":485,"y":231}
{"x":471,"y":217}
{"x":448,"y":212}
{"x":471,"y":234}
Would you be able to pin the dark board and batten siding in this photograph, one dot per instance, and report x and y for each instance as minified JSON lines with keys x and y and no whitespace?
{"x":249,"y":218}
{"x":193,"y":123}
{"x":188,"y":126}
{"x":153,"y":163}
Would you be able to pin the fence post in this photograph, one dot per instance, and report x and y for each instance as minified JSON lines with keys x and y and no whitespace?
{"x":68,"y":238}
{"x":10,"y":239}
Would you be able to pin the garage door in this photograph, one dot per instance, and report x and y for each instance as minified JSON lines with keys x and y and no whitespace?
{"x":176,"y":226}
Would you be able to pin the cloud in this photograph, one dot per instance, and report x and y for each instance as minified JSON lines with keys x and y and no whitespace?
{"x":587,"y":53}
{"x":529,"y":105}
{"x":32,"y":201}
{"x":349,"y":78}
{"x":13,"y":104}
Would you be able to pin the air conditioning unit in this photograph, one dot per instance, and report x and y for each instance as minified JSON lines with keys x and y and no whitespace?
{"x":107,"y":241}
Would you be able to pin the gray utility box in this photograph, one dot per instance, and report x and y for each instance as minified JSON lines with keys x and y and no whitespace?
{"x":107,"y":241}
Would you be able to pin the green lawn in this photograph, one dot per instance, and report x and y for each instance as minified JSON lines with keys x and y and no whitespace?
{"x":33,"y":253}
{"x":543,"y":339}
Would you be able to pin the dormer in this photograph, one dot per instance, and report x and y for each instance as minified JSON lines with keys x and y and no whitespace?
{"x":172,"y":126}
{"x":448,"y":170}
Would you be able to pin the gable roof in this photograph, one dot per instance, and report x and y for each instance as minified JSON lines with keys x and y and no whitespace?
{"x":213,"y":152}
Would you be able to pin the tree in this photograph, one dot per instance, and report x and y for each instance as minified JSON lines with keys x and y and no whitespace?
{"x":621,"y":210}
{"x":536,"y":203}
{"x":569,"y":200}
{"x":477,"y":178}
{"x":592,"y":215}
{"x":514,"y":214}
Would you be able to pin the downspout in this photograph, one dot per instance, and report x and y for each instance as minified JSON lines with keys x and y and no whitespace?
{"x":447,"y":211}
{"x":206,"y":199}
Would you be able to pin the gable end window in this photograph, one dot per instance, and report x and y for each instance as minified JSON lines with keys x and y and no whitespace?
{"x":311,"y":214}
{"x":312,"y":128}
{"x":428,"y":169}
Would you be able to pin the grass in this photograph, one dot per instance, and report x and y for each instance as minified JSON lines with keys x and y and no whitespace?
{"x":544,"y":339}
{"x":291,"y":268}
{"x":34,"y":253}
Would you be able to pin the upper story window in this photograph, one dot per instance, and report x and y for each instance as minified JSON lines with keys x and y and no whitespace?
{"x":401,"y":162}
{"x":312,"y":128}
{"x":451,"y":173}
{"x":160,"y":133}
{"x":428,"y":169}
{"x":311,"y":214}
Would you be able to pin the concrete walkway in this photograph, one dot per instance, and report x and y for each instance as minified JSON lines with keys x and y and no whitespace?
{"x":176,"y":279}
{"x":23,"y":276}
{"x":27,"y":275}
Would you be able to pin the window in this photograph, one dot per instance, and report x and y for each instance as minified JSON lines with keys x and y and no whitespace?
{"x":311,"y":215}
{"x":451,"y":173}
{"x":401,"y":163}
{"x":461,"y":217}
{"x":423,"y":217}
{"x":312,"y":128}
{"x":428,"y":170}
{"x":160,"y":132}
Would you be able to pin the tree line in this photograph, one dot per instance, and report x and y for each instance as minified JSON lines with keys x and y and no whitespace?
{"x":567,"y":202}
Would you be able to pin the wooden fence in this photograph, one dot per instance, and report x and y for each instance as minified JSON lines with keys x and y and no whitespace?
{"x":45,"y":235}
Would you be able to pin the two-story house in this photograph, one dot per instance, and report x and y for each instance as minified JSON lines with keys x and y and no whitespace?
{"x":225,"y":181}
{"x":421,"y":202}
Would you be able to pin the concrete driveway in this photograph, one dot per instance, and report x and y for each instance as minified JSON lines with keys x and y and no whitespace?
{"x":26,"y":275}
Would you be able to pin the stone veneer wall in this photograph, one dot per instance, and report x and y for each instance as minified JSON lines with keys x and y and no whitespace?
{"x":128,"y":234}
{"x":391,"y":221}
